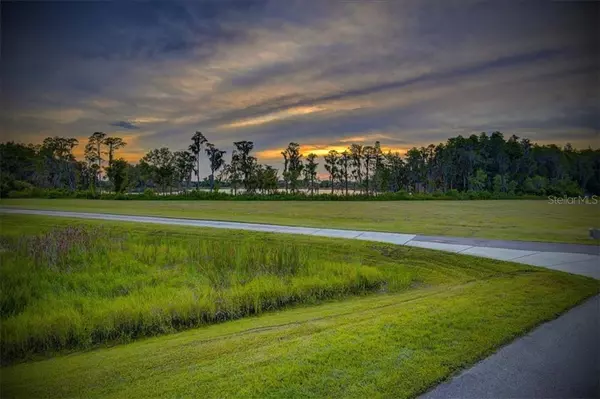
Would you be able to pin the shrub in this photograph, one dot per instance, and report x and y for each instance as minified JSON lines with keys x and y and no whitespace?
{"x":485,"y":195}
{"x":58,"y":193}
{"x":20,"y":185}
{"x":86,"y":194}
{"x":149,"y":194}
{"x":19,"y":194}
{"x":453,"y":193}
{"x":564,"y":186}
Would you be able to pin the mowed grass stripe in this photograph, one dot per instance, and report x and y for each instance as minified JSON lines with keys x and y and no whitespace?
{"x":535,"y":220}
{"x":395,"y":345}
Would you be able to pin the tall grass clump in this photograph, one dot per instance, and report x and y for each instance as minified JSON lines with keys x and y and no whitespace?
{"x":84,"y":285}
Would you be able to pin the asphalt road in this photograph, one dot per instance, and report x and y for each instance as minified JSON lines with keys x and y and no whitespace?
{"x":560,"y":359}
{"x":521,"y":245}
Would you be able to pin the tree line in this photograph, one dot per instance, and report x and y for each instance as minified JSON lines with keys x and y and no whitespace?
{"x":476,"y":164}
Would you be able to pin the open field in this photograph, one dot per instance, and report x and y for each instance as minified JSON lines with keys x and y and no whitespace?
{"x":338,"y":321}
{"x":513,"y":220}
{"x":394,"y":345}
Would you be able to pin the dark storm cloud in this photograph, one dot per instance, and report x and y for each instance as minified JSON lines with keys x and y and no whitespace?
{"x":125,"y":125}
{"x":293,"y":100}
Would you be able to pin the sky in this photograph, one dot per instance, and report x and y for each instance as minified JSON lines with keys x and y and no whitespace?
{"x":320,"y":73}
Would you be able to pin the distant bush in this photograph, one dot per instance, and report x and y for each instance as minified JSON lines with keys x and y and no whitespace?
{"x":562,"y":188}
{"x":59,"y":193}
{"x":86,"y":194}
{"x":566,"y":187}
{"x":20,"y":194}
{"x":485,"y":195}
{"x":31,"y":192}
{"x":453,"y":193}
{"x":20,"y":185}
{"x":148,"y":193}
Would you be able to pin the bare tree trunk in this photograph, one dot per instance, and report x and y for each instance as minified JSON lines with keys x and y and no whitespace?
{"x":198,"y":172}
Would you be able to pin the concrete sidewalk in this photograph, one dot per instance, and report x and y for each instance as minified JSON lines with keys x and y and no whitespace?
{"x":571,"y":258}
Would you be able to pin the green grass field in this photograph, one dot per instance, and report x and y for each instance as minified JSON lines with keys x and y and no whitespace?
{"x":76,"y":285}
{"x":361,"y":319}
{"x":510,"y":220}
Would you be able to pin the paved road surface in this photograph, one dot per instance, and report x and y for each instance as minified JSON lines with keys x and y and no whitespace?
{"x":560,"y":359}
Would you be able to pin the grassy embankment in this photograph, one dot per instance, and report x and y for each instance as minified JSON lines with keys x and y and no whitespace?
{"x":80,"y":285}
{"x":427,"y":314}
{"x":511,"y":220}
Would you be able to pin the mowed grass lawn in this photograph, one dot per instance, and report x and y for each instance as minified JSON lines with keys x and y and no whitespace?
{"x":510,"y":220}
{"x":336,"y":318}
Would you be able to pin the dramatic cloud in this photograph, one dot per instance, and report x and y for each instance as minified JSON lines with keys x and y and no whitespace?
{"x":125,"y":125}
{"x":323,"y":74}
